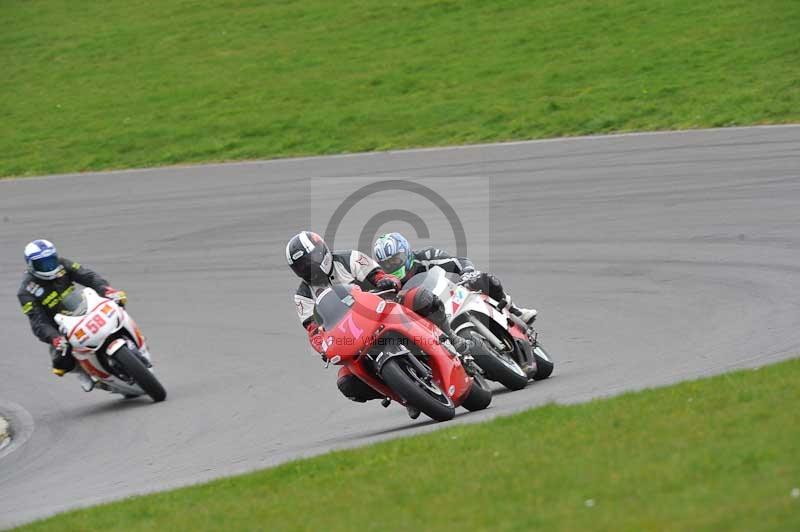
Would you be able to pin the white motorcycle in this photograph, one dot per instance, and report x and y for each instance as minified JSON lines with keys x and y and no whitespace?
{"x":508,"y":350}
{"x":108,"y":345}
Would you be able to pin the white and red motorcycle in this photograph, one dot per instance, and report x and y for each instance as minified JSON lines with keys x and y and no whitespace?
{"x":509,"y":351}
{"x":108,"y":345}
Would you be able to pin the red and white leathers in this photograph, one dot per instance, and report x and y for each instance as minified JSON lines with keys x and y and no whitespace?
{"x":349,"y":267}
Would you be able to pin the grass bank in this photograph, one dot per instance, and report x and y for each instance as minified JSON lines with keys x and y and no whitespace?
{"x":132,"y":83}
{"x":713,"y":454}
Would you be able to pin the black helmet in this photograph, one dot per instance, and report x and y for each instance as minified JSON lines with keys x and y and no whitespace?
{"x":309,"y":258}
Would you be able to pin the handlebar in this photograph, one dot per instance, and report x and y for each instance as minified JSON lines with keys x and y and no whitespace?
{"x":383,"y":292}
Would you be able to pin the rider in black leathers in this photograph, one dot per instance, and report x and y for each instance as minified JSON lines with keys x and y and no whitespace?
{"x":47,"y":281}
{"x":394,"y":254}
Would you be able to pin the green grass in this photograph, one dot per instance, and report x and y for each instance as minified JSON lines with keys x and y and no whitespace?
{"x":714,"y":454}
{"x":130,"y":83}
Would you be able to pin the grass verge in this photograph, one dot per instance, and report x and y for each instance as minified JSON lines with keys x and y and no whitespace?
{"x":132,"y":83}
{"x":712,"y":454}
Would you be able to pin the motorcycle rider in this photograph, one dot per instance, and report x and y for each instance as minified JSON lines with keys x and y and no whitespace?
{"x":47,"y":281}
{"x":311,"y":260}
{"x":394,"y":254}
{"x":317,"y":267}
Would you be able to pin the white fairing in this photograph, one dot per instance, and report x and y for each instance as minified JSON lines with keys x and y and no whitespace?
{"x":459,"y":300}
{"x":88,"y":332}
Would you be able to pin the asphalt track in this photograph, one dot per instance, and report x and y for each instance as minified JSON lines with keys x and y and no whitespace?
{"x":653,"y":258}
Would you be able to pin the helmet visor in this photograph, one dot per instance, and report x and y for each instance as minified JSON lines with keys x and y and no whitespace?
{"x":395,"y":263}
{"x":315,"y":267}
{"x":45,"y":264}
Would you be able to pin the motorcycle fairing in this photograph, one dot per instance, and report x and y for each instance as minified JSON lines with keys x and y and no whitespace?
{"x":86,"y":342}
{"x":370,"y":318}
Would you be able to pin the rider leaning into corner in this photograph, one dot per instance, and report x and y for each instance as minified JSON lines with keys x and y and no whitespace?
{"x":47,"y":282}
{"x":311,"y":260}
{"x":394,"y":254}
{"x":318,"y":268}
{"x":309,"y":257}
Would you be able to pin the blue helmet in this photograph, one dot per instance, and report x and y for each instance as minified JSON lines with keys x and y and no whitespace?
{"x":393,"y":252}
{"x":42,"y":259}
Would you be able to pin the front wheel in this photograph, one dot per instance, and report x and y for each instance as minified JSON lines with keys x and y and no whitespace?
{"x":498,"y":366}
{"x":544,"y":364}
{"x":479,"y":396}
{"x":134,"y":368}
{"x":418,"y":390}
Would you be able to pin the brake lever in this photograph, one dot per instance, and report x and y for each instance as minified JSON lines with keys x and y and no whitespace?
{"x":382,"y":292}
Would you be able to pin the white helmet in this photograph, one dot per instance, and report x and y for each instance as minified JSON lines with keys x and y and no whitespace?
{"x":42,"y":259}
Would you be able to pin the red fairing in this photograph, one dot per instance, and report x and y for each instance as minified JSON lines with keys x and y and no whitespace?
{"x":371,"y":318}
{"x":315,"y":336}
{"x":407,"y":299}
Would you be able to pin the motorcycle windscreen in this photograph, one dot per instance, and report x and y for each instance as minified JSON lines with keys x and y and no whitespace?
{"x":74,"y":304}
{"x":427,"y":280}
{"x":332,"y":305}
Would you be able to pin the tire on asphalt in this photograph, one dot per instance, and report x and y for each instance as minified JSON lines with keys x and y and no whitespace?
{"x":395,"y":375}
{"x":135,"y":369}
{"x":544,"y":364}
{"x":492,"y":363}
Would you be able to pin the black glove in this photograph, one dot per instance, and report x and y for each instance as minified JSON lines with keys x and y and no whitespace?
{"x":387,"y":282}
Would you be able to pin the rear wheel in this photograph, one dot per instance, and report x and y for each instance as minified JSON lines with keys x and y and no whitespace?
{"x":135,"y":369}
{"x":544,"y":364}
{"x":418,"y":390}
{"x":498,"y":366}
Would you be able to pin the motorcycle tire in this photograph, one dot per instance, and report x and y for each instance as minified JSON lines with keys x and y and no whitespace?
{"x":544,"y":365}
{"x":479,"y":396}
{"x":401,"y":377}
{"x":135,"y":369}
{"x":496,"y":366}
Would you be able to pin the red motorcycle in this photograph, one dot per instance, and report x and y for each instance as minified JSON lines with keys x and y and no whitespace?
{"x":401,"y":355}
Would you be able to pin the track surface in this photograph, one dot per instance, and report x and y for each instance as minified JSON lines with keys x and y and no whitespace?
{"x":653,"y":258}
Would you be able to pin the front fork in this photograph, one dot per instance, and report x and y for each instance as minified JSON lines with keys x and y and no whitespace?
{"x":467,"y":360}
{"x":529,"y":365}
{"x":526,"y":349}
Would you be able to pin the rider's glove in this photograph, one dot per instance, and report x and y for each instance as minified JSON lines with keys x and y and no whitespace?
{"x":315,"y":336}
{"x":60,"y":344}
{"x":119,"y":296}
{"x":471,"y":277}
{"x":385,"y":281}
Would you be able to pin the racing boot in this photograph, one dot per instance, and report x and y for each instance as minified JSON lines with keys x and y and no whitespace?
{"x":528,"y":315}
{"x":462,"y":345}
{"x":87,"y":383}
{"x":413,"y":413}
